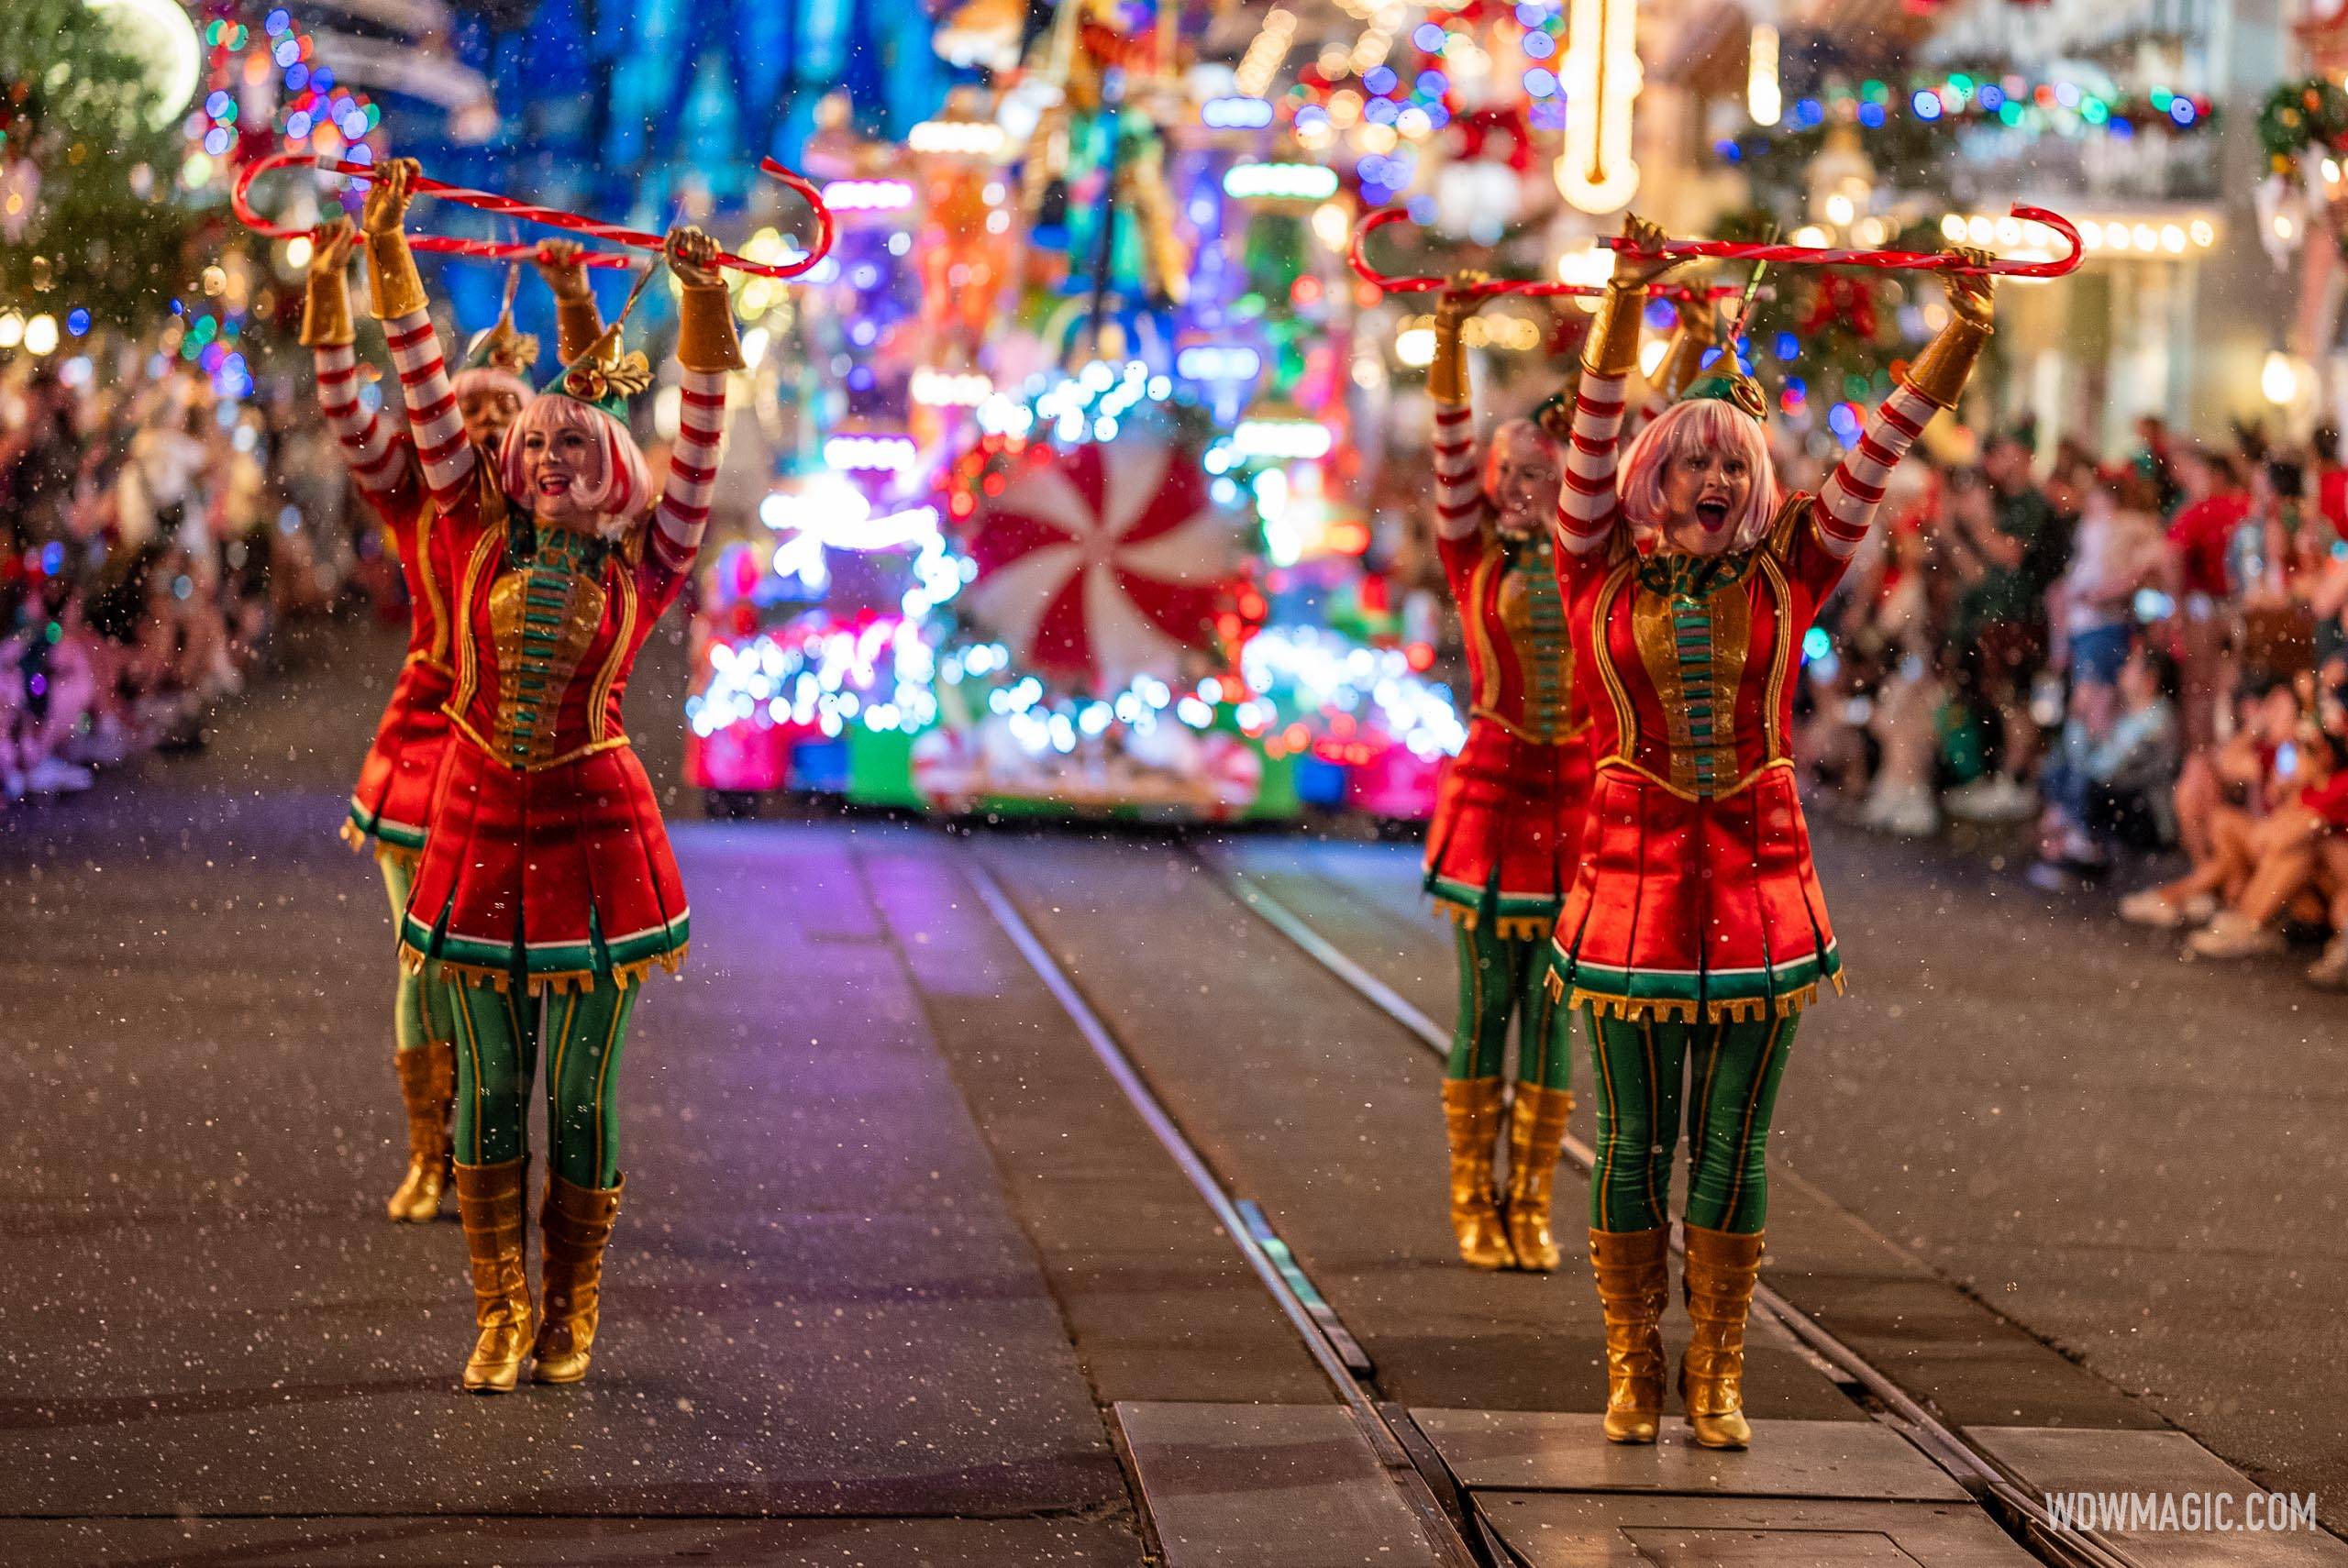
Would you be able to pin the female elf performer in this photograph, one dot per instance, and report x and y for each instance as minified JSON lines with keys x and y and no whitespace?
{"x":388,"y":806}
{"x":1695,"y":931}
{"x":1501,"y":850}
{"x":547,"y":878}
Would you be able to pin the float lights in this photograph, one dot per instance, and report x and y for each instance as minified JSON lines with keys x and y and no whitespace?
{"x":877,"y":454}
{"x":1280,"y":181}
{"x":1601,"y":76}
{"x":868,"y":195}
{"x":1763,"y":99}
{"x":950,"y":389}
{"x":970,"y":138}
{"x":1286,"y":440}
{"x":1235,"y":113}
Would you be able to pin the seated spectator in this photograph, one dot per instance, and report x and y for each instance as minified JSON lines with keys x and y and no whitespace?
{"x":2108,"y":784}
{"x":2299,"y":853}
{"x":2221,"y":797}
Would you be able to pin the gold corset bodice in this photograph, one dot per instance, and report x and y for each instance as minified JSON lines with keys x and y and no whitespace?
{"x":543,"y":615}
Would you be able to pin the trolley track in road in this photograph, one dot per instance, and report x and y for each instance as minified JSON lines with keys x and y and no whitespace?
{"x":2022,"y":1515}
{"x":1453,"y":1539}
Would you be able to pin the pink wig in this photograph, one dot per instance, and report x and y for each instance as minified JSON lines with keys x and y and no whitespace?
{"x":1692,"y":426}
{"x":627,"y":489}
{"x":489,"y":378}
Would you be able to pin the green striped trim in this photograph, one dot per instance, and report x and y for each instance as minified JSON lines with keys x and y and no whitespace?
{"x":1507,"y":906}
{"x":550,"y":958}
{"x":399,"y":836}
{"x":1698,"y":985}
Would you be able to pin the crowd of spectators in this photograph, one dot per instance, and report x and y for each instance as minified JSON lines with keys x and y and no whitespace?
{"x":2125,"y":658}
{"x":154,"y":538}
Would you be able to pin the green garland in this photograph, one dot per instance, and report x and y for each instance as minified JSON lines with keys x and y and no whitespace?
{"x":2298,"y":116}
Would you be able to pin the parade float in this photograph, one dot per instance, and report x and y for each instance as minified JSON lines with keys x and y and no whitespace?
{"x":1074,"y":525}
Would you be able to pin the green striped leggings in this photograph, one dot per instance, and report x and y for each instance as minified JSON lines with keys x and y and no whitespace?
{"x":421,"y":1009}
{"x":1502,"y":978}
{"x":497,"y":1057}
{"x":1729,"y":1074}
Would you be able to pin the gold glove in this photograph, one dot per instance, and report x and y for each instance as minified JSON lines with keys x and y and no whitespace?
{"x":1614,"y":346}
{"x":577,"y":321}
{"x":1448,"y":371}
{"x":705,"y":337}
{"x":1684,"y":360}
{"x":326,"y":301}
{"x":1939,"y":373}
{"x":391,"y":270}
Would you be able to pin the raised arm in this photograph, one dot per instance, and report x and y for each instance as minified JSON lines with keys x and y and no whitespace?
{"x":1459,"y":489}
{"x":378,"y":462}
{"x":706,"y":350}
{"x":440,"y":446}
{"x":577,"y":322}
{"x":1848,"y":501}
{"x":1683,"y":359}
{"x":1588,"y":505}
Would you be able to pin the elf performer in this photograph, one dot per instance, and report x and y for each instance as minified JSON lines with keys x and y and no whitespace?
{"x":388,"y":806}
{"x":547,"y":885}
{"x":1695,"y":931}
{"x":1507,"y":825}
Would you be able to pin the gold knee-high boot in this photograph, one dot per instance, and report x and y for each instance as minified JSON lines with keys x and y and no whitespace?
{"x":1634,"y":1283}
{"x":1536,"y":1132}
{"x":489,"y":1197}
{"x":428,"y":1090}
{"x":574,"y":1225}
{"x":1720,"y":1272}
{"x":1471,"y":1119}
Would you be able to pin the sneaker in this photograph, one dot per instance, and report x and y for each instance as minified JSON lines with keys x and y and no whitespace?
{"x":1910,"y":813}
{"x":2230,"y":937}
{"x":1997,"y":799}
{"x":2051,"y":876}
{"x":106,"y":744}
{"x":2331,"y":971}
{"x":2151,"y":907}
{"x":55,"y":776}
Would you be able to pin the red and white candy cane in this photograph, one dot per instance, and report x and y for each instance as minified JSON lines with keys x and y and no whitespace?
{"x":553,"y":217}
{"x":1909,"y":260}
{"x":1420,"y":285}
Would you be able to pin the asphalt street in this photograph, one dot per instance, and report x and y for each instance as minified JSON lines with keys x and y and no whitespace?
{"x":895,"y":1249}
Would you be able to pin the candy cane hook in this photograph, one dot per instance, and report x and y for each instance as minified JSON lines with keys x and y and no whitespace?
{"x":1359,"y":261}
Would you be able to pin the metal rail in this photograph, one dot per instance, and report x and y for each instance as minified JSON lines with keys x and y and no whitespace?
{"x":2022,"y":1515}
{"x":1449,"y":1545}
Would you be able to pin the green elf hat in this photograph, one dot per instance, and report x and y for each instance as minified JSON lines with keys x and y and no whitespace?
{"x":604,"y":377}
{"x":1728,"y":381}
{"x":1732,"y":387}
{"x":499,"y":351}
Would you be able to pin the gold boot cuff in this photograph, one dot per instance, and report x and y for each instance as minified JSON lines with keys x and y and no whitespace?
{"x":392,"y":277}
{"x":705,"y":339}
{"x":1939,"y":373}
{"x":1614,"y":346}
{"x":325,"y":312}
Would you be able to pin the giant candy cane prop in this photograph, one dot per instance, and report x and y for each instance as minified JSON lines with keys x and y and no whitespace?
{"x":553,"y":217}
{"x":1906,"y":260}
{"x":1371,"y":222}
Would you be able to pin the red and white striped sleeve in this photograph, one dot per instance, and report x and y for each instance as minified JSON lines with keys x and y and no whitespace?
{"x":1848,"y":501}
{"x":441,"y":444}
{"x":683,"y":511}
{"x":1587,"y":506}
{"x":377,"y":462}
{"x":1458,"y":492}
